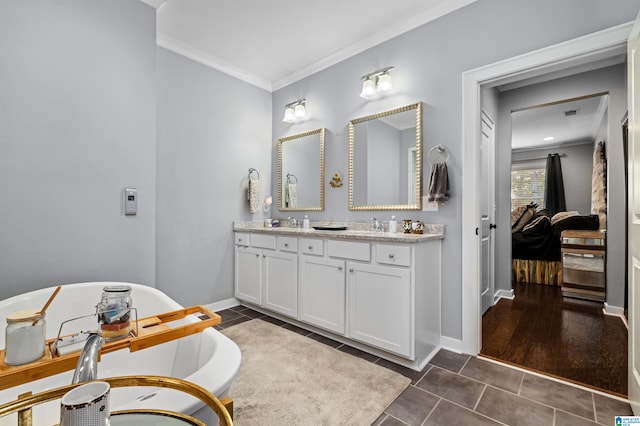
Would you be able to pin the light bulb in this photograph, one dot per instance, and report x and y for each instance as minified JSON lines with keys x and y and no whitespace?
{"x":368,"y":89}
{"x":300,"y":112}
{"x":288,"y":115}
{"x":384,"y":84}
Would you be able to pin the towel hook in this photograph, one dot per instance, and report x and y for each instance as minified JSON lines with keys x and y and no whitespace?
{"x":251,"y":170}
{"x":441,"y":150}
{"x":289,"y":176}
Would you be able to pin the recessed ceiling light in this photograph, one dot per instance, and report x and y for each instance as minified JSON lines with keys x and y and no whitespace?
{"x":548,"y":138}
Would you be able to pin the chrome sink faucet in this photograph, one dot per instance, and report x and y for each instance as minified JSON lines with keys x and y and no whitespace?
{"x":87,"y":366}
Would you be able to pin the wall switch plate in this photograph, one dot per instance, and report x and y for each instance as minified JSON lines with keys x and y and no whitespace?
{"x":429,"y":206}
{"x":130,"y":201}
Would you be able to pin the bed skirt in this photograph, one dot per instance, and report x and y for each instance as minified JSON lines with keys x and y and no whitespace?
{"x":546,"y":272}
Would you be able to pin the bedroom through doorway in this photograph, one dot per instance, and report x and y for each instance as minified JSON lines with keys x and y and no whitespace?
{"x":557,"y":330}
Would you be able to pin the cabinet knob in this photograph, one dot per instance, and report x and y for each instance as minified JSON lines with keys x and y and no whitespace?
{"x":310,"y":247}
{"x":339,"y":268}
{"x":264,"y":255}
{"x":286,"y":244}
{"x":391,"y":256}
{"x":257,"y":255}
{"x":350,"y":269}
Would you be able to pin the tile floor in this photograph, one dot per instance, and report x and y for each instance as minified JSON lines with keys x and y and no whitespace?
{"x":459,"y":389}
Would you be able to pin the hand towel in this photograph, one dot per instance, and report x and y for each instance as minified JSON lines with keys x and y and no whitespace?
{"x":253,"y":195}
{"x":292,"y":195}
{"x":439,"y":183}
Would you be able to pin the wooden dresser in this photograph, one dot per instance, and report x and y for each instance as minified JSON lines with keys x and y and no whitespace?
{"x":583,"y":265}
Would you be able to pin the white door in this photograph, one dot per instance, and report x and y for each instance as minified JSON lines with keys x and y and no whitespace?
{"x":633,"y":53}
{"x":487,"y":211}
{"x":322,"y":293}
{"x":380,"y":306}
{"x":248,"y":274}
{"x":280,"y":283}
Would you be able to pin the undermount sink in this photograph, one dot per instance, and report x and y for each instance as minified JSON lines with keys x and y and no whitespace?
{"x":329,"y":227}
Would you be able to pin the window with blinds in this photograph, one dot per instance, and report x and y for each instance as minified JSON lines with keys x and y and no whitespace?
{"x":527,"y":185}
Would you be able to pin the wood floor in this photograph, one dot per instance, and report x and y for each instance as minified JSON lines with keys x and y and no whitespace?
{"x":540,"y":331}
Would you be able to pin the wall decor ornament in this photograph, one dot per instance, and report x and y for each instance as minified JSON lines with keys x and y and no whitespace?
{"x":336,"y":180}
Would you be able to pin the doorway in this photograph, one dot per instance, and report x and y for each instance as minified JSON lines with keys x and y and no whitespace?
{"x":598,"y":46}
{"x":551,"y":327}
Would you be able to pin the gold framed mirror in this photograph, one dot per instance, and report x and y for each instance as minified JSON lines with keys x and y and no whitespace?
{"x":301,"y":171}
{"x":385,"y":160}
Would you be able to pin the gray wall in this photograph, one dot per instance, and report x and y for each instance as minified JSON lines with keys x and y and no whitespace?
{"x":77,"y":125}
{"x":576,"y":172}
{"x":429,"y":62}
{"x":612,"y":80}
{"x":211,"y":129}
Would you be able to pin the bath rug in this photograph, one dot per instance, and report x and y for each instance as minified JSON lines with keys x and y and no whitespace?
{"x":289,"y":379}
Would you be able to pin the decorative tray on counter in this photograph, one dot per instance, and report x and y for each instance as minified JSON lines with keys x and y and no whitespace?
{"x":329,"y":227}
{"x":152,"y":331}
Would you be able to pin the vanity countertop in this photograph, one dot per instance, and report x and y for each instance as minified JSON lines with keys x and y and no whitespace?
{"x":354,"y":231}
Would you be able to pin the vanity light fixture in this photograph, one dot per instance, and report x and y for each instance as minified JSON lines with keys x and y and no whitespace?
{"x":295,"y":111}
{"x":376,"y":84}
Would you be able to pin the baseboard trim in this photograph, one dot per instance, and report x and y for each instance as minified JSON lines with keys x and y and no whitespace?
{"x":503,"y":294}
{"x":613,"y":310}
{"x":450,"y":344}
{"x":223,"y":304}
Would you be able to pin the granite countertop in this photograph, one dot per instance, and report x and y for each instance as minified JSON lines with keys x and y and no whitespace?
{"x":354,"y":231}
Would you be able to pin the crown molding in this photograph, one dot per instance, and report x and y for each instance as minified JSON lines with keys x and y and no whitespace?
{"x":433,"y":13}
{"x":181,"y":48}
{"x":177,"y":46}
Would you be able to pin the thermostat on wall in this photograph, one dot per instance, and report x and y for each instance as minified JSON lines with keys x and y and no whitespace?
{"x":130,"y":201}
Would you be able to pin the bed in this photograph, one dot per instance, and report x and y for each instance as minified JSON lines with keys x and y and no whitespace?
{"x":536,"y":242}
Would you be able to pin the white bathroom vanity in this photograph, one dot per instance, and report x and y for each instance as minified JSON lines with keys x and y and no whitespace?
{"x":376,"y":291}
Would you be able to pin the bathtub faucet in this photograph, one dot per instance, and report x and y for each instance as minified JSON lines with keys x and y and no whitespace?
{"x":87,"y":366}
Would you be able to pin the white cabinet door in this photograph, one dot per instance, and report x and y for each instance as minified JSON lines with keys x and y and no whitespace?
{"x":322,"y":292}
{"x":280,"y":283}
{"x":380,"y":307}
{"x":248,"y":274}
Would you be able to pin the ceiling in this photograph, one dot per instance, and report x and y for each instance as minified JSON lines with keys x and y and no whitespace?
{"x":273,"y":43}
{"x":531,"y":126}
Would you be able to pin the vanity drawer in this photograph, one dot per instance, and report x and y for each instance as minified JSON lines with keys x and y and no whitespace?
{"x":263,"y":241}
{"x":349,"y":250}
{"x":312,"y":246}
{"x":393,"y":255}
{"x":288,"y":244}
{"x":243,"y":239}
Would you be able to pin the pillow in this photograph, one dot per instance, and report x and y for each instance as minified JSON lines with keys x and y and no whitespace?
{"x":590,"y":222}
{"x":526,"y":216}
{"x":562,"y":216}
{"x":543,"y":212}
{"x":516,"y":214}
{"x":539,"y":224}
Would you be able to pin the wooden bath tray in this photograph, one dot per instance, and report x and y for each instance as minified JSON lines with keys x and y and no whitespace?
{"x":152,"y":331}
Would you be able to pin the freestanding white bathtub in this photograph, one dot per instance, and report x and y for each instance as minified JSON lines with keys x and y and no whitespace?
{"x":208,"y":359}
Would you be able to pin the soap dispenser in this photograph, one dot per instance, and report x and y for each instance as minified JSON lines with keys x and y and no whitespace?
{"x":393,"y":225}
{"x":305,"y":222}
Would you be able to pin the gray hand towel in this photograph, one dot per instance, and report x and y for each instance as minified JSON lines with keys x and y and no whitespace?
{"x":439,"y":183}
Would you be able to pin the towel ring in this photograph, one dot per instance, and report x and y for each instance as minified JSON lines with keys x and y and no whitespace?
{"x":289,"y":176}
{"x":251,"y":170}
{"x":441,"y":150}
